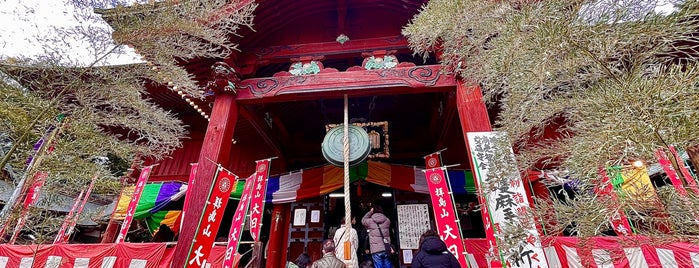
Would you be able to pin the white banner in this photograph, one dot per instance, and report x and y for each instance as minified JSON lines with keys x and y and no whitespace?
{"x":505,"y":196}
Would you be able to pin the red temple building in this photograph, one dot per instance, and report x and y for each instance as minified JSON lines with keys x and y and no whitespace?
{"x":290,"y":77}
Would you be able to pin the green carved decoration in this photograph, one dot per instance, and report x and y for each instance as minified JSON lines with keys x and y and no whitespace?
{"x":384,"y":62}
{"x":299,"y":68}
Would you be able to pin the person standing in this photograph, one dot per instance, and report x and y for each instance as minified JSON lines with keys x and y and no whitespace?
{"x":328,"y":260}
{"x":433,"y":253}
{"x":342,"y":235}
{"x":378,"y":226}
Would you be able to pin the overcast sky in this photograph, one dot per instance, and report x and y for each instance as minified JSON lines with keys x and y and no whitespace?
{"x":32,"y":28}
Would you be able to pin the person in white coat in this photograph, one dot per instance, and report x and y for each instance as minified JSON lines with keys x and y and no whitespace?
{"x":342,"y":235}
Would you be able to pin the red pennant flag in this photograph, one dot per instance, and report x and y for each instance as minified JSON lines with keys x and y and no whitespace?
{"x":257,"y":204}
{"x":685,"y":172}
{"x":131,"y":209}
{"x":210,"y":220}
{"x":29,"y":200}
{"x":237,"y":225}
{"x":66,"y":222}
{"x":445,"y":217}
{"x":670,"y":171}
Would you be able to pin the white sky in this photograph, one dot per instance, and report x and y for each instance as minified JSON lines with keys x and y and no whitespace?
{"x":28,"y":28}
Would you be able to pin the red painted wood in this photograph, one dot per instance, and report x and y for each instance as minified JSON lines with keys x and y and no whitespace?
{"x":328,"y":49}
{"x":215,"y":149}
{"x":276,"y":247}
{"x":178,"y":165}
{"x":418,"y":78}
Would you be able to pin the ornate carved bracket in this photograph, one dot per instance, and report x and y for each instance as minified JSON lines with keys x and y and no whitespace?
{"x":224,"y":79}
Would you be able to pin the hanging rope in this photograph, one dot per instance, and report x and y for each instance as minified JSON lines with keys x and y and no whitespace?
{"x":345,"y":144}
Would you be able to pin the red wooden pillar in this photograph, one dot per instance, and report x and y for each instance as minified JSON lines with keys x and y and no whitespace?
{"x":279,"y":231}
{"x":473,"y":116}
{"x":215,"y":149}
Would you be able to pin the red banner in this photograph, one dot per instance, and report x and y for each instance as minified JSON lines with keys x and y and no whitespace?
{"x":66,"y":222}
{"x":604,"y":188}
{"x":445,"y":217}
{"x":211,"y":219}
{"x":131,"y":209}
{"x":257,"y":204}
{"x":670,"y":171}
{"x":685,"y":172}
{"x":190,"y":182}
{"x":237,"y":224}
{"x":29,"y":200}
{"x":433,"y":161}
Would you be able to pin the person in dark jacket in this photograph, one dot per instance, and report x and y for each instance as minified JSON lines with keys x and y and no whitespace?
{"x":433,"y":253}
{"x":375,"y":220}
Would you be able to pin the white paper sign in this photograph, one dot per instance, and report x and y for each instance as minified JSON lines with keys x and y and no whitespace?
{"x":413,"y":221}
{"x":300,"y":217}
{"x":315,"y":216}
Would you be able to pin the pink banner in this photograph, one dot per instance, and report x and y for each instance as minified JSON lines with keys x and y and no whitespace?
{"x":257,"y":204}
{"x":445,"y":217}
{"x":604,"y":188}
{"x":237,"y":225}
{"x":66,"y":221}
{"x":685,"y":172}
{"x":131,"y":209}
{"x":210,"y":220}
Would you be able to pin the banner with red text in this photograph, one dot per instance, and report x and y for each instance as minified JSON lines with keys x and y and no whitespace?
{"x":499,"y":179}
{"x":210,"y":219}
{"x":131,"y":209}
{"x":237,"y":224}
{"x":257,"y":203}
{"x":444,"y":214}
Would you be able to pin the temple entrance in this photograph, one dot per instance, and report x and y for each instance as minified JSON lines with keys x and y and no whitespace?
{"x":306,"y":230}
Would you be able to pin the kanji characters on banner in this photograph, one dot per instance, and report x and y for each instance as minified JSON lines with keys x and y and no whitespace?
{"x":237,"y":224}
{"x":257,"y":203}
{"x":507,"y":201}
{"x":445,"y":217}
{"x":210,"y":219}
{"x":142,"y":179}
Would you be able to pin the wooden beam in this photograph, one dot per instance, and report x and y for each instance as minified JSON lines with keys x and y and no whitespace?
{"x":412,"y":79}
{"x":448,"y":114}
{"x":259,"y":126}
{"x":352,"y":47}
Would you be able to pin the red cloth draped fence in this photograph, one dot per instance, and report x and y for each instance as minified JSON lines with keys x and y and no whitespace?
{"x":563,"y":252}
